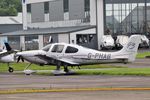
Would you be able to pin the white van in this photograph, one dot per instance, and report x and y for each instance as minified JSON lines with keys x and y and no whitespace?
{"x":107,"y":42}
{"x":121,"y":41}
{"x":144,"y":42}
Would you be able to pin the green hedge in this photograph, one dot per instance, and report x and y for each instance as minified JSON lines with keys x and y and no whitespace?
{"x":8,"y":12}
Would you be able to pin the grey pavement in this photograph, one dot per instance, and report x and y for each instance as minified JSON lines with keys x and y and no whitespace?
{"x":90,"y":95}
{"x":12,"y":81}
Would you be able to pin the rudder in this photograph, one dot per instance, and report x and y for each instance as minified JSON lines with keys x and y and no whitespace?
{"x":131,"y":47}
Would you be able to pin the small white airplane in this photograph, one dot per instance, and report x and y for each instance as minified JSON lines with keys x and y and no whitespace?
{"x":62,"y":54}
{"x":7,"y":56}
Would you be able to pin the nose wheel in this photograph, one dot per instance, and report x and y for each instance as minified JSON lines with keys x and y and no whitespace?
{"x":10,"y":69}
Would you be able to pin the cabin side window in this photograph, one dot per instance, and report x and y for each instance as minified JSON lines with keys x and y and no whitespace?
{"x":58,"y":48}
{"x":71,"y":50}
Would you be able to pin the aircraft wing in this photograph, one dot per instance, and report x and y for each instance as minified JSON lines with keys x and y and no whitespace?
{"x":6,"y":53}
{"x":44,"y":57}
{"x":64,"y":60}
{"x":68,"y":61}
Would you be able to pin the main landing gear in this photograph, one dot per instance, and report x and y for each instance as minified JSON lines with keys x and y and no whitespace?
{"x":66,"y":71}
{"x":10,"y":69}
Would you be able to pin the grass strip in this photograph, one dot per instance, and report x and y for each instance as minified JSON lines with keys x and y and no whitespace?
{"x":21,"y":67}
{"x":142,"y":55}
{"x":117,"y":71}
{"x":109,"y":71}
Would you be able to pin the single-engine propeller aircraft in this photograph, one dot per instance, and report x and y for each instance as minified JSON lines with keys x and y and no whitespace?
{"x":8,"y":56}
{"x":62,"y":54}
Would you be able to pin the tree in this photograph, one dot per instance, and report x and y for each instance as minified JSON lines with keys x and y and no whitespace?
{"x":10,"y":7}
{"x":12,"y":11}
{"x":3,"y":12}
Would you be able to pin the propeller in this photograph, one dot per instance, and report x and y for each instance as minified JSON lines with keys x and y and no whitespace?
{"x":20,"y":58}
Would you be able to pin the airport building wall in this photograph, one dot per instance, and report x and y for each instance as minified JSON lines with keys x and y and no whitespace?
{"x":127,"y":17}
{"x":112,"y":17}
{"x":5,"y":28}
{"x":41,"y":14}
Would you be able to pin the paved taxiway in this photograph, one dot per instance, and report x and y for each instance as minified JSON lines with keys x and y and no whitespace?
{"x":11,"y":81}
{"x":92,"y":95}
{"x":14,"y":81}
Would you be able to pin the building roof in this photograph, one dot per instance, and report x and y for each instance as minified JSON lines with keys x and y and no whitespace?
{"x":11,"y":19}
{"x":47,"y":31}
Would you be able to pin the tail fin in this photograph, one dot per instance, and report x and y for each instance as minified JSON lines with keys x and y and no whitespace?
{"x":8,"y":48}
{"x":131,"y":47}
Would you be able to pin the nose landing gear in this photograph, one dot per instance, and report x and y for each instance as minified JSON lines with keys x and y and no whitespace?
{"x":10,"y":69}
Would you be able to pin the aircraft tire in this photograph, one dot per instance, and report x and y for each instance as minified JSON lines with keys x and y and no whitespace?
{"x":10,"y":69}
{"x":66,"y":68}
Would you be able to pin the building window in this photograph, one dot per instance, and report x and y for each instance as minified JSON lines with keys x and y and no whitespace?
{"x":87,"y":10}
{"x":87,"y":5}
{"x":47,"y":39}
{"x":31,"y":42}
{"x":125,"y":17}
{"x":14,"y":41}
{"x":66,"y":5}
{"x":84,"y":38}
{"x":46,"y":7}
{"x":29,"y":8}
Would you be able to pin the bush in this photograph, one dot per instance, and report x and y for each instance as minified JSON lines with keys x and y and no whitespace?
{"x":12,"y":11}
{"x":8,"y":12}
{"x":3,"y":12}
{"x":10,"y":7}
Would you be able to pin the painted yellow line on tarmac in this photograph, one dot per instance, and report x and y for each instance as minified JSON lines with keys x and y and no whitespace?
{"x":69,"y":90}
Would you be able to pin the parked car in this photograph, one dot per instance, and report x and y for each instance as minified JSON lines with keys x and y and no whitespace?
{"x":121,"y":41}
{"x":144,"y":43}
{"x":107,"y":42}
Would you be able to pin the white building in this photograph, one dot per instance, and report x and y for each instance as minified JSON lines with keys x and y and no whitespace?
{"x":9,"y":24}
{"x":71,"y":21}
